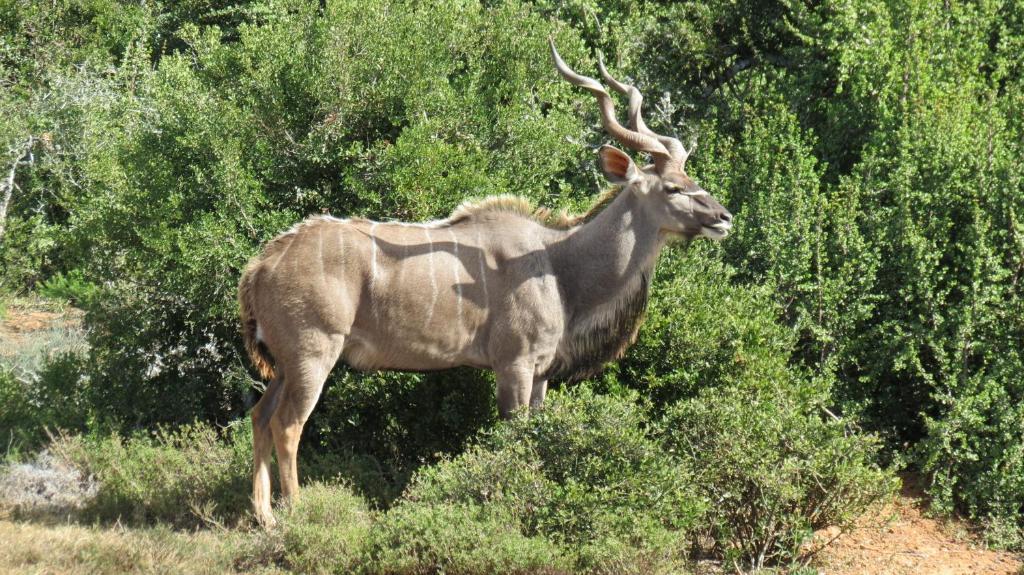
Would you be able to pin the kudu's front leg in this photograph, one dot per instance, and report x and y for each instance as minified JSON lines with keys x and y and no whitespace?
{"x":515,"y":383}
{"x":540,"y":389}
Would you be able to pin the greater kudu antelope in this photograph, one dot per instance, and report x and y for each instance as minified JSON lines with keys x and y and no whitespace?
{"x":499,"y":284}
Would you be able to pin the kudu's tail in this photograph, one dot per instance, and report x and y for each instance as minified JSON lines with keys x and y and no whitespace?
{"x":247,"y":312}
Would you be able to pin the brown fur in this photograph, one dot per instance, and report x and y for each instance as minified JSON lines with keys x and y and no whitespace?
{"x":557,"y":220}
{"x":261,"y":360}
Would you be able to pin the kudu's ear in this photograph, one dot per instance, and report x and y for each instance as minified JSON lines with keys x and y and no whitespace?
{"x":617,"y":166}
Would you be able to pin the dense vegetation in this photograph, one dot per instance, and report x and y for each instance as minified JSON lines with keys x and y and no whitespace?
{"x":869,"y":149}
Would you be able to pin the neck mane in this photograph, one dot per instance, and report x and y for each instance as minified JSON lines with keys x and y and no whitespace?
{"x":554,"y":219}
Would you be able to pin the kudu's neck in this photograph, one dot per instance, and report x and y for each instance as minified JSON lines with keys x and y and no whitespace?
{"x":607,"y":257}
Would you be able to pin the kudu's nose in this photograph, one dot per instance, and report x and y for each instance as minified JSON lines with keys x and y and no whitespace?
{"x":725,"y":216}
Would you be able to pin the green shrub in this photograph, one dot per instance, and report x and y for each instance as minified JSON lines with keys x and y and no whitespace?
{"x":703,"y":331}
{"x":511,"y":478}
{"x":71,"y":287}
{"x":375,"y":429}
{"x":581,"y":472}
{"x":21,"y":423}
{"x":414,"y":538}
{"x":185,"y":476}
{"x":974,"y":456}
{"x":775,"y":470}
{"x":25,"y":252}
{"x":378,"y":483}
{"x":35,"y":404}
{"x":324,"y":530}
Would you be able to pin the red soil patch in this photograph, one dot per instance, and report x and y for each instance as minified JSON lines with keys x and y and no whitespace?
{"x":899,"y":539}
{"x":19,"y":323}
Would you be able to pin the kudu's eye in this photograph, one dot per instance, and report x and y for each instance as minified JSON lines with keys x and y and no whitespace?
{"x":672,"y":189}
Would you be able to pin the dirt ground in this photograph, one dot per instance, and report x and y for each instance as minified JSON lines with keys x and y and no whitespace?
{"x":33,"y":329}
{"x":23,"y":321}
{"x":19,"y":322}
{"x":900,"y":539}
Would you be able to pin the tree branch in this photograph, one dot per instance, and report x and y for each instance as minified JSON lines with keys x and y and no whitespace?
{"x":24,"y":156}
{"x":742,"y":64}
{"x":736,"y":68}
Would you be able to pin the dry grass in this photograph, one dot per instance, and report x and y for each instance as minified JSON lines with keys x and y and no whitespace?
{"x":46,"y":486}
{"x":39,"y":548}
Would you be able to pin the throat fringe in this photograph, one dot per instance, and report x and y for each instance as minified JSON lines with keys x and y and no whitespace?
{"x":603,"y":339}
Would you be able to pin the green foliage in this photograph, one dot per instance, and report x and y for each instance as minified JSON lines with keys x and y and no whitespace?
{"x":38,"y":403}
{"x":702,"y":331}
{"x":457,"y":538}
{"x":186,"y":476}
{"x":975,"y":455}
{"x":25,"y":253}
{"x":20,"y":422}
{"x":376,"y":429}
{"x":325,"y":531}
{"x":329,"y":530}
{"x":71,"y":288}
{"x":775,"y":468}
{"x":582,"y":472}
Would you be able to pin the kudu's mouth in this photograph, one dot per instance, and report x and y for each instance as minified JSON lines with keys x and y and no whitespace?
{"x":719,"y":226}
{"x":717,"y":231}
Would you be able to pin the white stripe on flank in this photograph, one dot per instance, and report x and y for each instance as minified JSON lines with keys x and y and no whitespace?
{"x":320,"y":254}
{"x":373,"y":252}
{"x":433,"y":278}
{"x":342,"y":248}
{"x":483,"y":268}
{"x":455,"y":267}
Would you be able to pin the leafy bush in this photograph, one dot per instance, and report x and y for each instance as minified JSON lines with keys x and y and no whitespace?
{"x":975,"y":458}
{"x":375,"y":429}
{"x":458,"y":538}
{"x":20,"y":421}
{"x":71,"y":287}
{"x":186,"y":476}
{"x":328,"y":529}
{"x":36,"y":404}
{"x":582,"y":472}
{"x":775,"y":469}
{"x":324,"y":531}
{"x":703,"y":331}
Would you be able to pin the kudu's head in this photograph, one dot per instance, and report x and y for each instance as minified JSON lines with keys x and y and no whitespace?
{"x":676,"y":202}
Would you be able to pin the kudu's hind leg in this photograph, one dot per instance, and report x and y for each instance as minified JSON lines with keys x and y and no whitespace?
{"x":303,"y":382}
{"x":262,"y":443}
